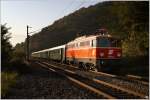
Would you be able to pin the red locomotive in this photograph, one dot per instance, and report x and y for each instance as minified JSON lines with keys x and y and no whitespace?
{"x":92,"y":52}
{"x":88,"y":52}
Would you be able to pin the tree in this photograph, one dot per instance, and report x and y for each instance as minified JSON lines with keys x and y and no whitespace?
{"x":6,"y":47}
{"x":19,"y":52}
{"x":133,"y":17}
{"x":128,"y":20}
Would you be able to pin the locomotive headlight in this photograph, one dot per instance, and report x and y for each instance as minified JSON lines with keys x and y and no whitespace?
{"x":102,"y":54}
{"x":118,"y":54}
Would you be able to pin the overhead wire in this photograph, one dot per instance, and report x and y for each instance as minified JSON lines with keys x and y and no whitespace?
{"x":36,"y":31}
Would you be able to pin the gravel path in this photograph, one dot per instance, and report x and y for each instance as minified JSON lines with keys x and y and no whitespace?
{"x":43,"y":84}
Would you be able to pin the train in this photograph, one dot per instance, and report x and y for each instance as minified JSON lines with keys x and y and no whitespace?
{"x":90,"y":52}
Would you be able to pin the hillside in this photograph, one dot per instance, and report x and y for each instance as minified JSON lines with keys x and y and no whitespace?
{"x":129,"y":20}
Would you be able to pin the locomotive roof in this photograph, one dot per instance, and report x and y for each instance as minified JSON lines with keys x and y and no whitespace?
{"x":49,"y":49}
{"x":79,"y":39}
{"x":84,"y":38}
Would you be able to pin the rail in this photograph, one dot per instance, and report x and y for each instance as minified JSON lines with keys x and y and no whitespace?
{"x":79,"y":82}
{"x":127,"y":91}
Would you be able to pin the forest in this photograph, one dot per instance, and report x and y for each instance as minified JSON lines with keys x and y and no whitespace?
{"x":128,"y":20}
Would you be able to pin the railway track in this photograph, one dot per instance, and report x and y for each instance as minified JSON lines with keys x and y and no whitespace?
{"x":134,"y":83}
{"x":76,"y":81}
{"x":99,"y":83}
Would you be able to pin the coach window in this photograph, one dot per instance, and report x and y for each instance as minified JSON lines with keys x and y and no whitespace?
{"x":76,"y":45}
{"x":70,"y":46}
{"x":87,"y":43}
{"x":49,"y":53}
{"x":60,"y":51}
{"x":81,"y":44}
{"x":73,"y":45}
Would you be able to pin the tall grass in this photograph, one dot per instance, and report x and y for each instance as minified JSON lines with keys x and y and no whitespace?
{"x":8,"y":79}
{"x":132,"y":65}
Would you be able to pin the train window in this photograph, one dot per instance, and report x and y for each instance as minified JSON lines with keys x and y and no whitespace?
{"x":81,"y":43}
{"x":71,"y":45}
{"x":85,"y":43}
{"x":49,"y":53}
{"x":68,"y":46}
{"x":76,"y":45}
{"x":105,"y":42}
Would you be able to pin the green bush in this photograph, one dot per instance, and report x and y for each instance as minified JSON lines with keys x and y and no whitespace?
{"x":8,"y":79}
{"x":138,"y":65}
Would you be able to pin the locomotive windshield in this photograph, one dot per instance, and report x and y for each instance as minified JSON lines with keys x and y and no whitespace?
{"x":108,"y":42}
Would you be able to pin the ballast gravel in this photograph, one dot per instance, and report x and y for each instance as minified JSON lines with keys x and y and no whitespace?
{"x":43,"y":84}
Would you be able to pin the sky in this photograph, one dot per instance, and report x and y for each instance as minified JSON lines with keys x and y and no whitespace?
{"x":37,"y":14}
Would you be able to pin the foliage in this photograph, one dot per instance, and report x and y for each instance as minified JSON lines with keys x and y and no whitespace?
{"x":134,"y":21}
{"x":19,"y":52}
{"x":8,"y":79}
{"x":12,"y":61}
{"x":131,"y":65}
{"x":125,"y":19}
{"x":6,"y":47}
{"x":136,"y":44}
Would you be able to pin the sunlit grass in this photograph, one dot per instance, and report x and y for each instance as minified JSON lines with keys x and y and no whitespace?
{"x":7,"y":79}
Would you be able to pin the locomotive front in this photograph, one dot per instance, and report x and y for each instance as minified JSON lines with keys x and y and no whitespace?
{"x":94,"y":52}
{"x":108,"y":51}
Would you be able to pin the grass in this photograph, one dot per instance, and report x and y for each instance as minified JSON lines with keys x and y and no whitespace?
{"x":132,"y":65}
{"x":8,"y":79}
